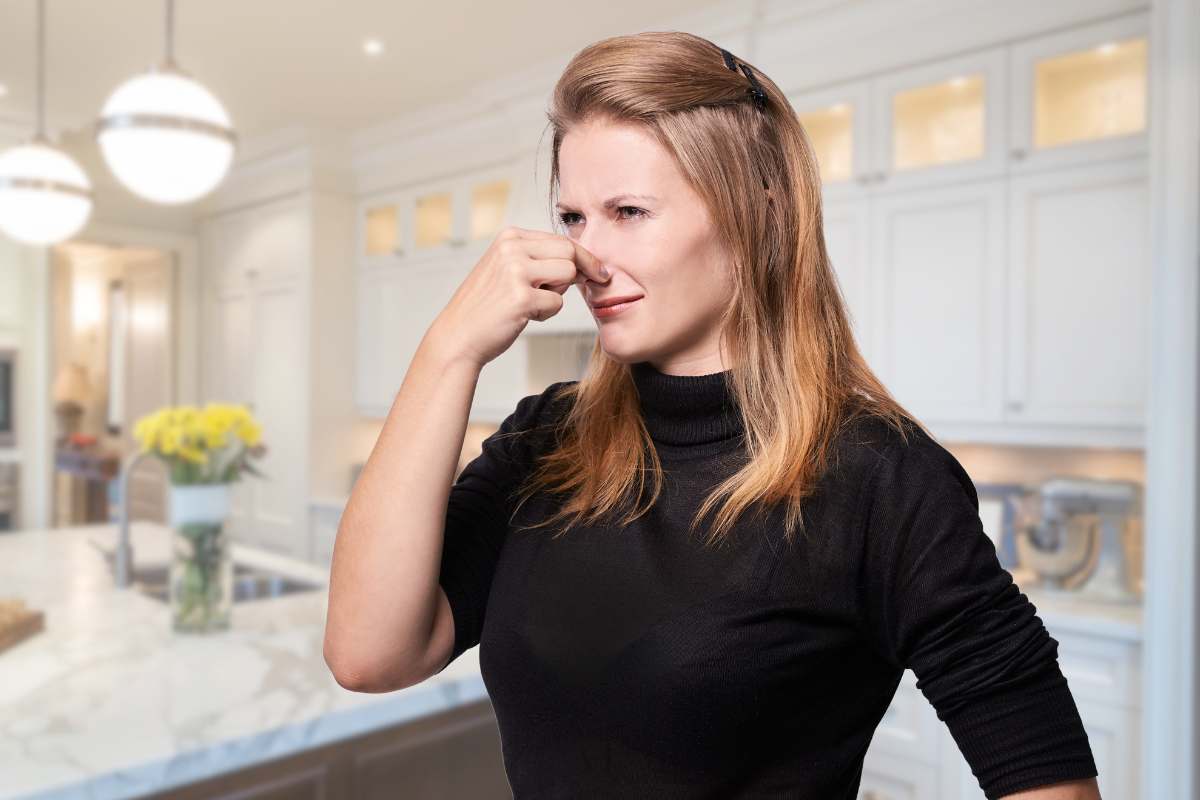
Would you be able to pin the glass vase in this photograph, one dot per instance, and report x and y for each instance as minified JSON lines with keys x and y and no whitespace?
{"x":201,"y":581}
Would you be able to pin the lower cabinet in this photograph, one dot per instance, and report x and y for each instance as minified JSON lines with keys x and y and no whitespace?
{"x":451,"y":755}
{"x":913,"y":755}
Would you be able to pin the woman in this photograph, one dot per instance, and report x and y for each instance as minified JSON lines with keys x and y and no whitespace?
{"x":737,"y":625}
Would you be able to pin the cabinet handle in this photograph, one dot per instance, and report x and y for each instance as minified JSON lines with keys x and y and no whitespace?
{"x":880,"y":177}
{"x":1018,"y":153}
{"x":457,"y":242}
{"x":864,"y":179}
{"x":397,"y":251}
{"x":1015,"y":405}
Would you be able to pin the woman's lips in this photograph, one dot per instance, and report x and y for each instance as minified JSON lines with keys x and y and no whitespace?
{"x":604,"y":312}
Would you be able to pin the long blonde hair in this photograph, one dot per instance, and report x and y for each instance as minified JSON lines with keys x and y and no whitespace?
{"x":798,"y":375}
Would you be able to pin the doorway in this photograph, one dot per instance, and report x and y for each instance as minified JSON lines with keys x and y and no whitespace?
{"x":112,"y":362}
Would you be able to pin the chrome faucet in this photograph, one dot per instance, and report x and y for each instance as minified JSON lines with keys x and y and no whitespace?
{"x":123,"y":555}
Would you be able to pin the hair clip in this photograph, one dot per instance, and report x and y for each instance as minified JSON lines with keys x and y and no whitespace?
{"x":755,"y":91}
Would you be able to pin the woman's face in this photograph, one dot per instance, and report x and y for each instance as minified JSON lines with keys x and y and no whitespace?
{"x":623,"y":199}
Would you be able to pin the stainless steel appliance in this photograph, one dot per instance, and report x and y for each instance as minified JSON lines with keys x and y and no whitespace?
{"x":1082,"y":536}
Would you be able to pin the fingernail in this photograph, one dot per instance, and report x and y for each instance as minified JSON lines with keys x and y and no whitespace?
{"x":603,"y":272}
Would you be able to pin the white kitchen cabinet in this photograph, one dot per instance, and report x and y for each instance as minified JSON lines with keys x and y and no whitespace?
{"x":887,"y":777}
{"x":934,"y":124}
{"x":1079,"y":284}
{"x":941,"y":122}
{"x":12,"y":284}
{"x":277,"y":294}
{"x":913,"y":755}
{"x":847,"y":240}
{"x":937,"y":274}
{"x":1081,"y":95}
{"x":838,"y":122}
{"x":434,"y":219}
{"x":397,"y":304}
{"x":416,"y":246}
{"x":974,"y":271}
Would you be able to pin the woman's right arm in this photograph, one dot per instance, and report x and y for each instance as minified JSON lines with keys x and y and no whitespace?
{"x":388,"y":624}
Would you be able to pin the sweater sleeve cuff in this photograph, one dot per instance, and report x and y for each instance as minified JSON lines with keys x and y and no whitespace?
{"x":1027,"y":736}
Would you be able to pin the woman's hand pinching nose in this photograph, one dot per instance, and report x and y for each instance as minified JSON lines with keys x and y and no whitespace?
{"x":521,"y":277}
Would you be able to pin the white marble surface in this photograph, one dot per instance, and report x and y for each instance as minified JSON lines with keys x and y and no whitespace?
{"x":107,"y":702}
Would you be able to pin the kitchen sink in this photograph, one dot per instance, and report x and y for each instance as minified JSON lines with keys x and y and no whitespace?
{"x":249,"y":583}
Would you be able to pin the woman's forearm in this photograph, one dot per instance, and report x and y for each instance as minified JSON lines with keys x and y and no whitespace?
{"x":383,"y":577}
{"x":1086,"y":789}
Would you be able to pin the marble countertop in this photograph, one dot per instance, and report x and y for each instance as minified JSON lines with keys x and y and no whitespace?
{"x":107,"y":702}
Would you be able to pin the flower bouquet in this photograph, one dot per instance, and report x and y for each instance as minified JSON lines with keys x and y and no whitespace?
{"x":205,"y":451}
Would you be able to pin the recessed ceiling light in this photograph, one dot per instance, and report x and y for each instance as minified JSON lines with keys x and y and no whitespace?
{"x":372,"y":47}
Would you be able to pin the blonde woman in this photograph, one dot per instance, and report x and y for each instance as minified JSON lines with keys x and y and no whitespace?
{"x":701,"y":570}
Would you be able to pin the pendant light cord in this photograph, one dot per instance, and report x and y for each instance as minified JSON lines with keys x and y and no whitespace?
{"x":40,"y":131}
{"x":170,"y":33}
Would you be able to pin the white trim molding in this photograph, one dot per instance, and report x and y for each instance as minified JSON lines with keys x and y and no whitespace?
{"x":1169,"y":742}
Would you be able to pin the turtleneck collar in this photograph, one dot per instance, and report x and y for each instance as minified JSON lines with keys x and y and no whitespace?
{"x":686,"y":410}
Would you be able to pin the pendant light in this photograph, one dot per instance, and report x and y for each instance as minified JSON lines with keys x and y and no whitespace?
{"x":164,"y":135}
{"x":45,"y":197}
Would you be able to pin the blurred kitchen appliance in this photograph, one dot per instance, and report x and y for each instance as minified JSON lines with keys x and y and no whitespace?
{"x":1082,"y":536}
{"x":8,"y":397}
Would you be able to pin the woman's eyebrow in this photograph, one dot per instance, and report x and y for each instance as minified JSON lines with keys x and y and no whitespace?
{"x":612,"y":202}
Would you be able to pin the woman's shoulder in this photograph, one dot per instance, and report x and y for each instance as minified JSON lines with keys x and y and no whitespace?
{"x":907,"y":453}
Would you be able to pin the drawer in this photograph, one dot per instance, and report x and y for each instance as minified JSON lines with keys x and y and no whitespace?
{"x":910,"y":727}
{"x":892,"y":778}
{"x":1101,"y":669}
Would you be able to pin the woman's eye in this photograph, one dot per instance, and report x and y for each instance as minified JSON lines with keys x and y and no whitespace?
{"x":567,"y":219}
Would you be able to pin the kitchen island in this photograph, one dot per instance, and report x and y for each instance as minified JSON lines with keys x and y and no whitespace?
{"x":108,"y":702}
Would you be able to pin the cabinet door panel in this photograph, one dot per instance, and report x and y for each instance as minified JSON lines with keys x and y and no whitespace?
{"x":1079,"y":279}
{"x":937,"y":280}
{"x":846,"y":239}
{"x":1080,"y":95}
{"x":397,"y":306}
{"x":887,"y":777}
{"x":228,"y":380}
{"x":940,"y":123}
{"x":281,"y":407}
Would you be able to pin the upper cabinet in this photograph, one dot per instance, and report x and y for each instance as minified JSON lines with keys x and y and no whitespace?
{"x":433,"y":219}
{"x":415,"y":248}
{"x":1062,"y":99}
{"x":935,"y":123}
{"x":987,"y":219}
{"x":1080,"y":95}
{"x":940,"y":122}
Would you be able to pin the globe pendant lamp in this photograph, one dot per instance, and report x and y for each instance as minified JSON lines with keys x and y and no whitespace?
{"x":45,"y":197}
{"x":166,"y":137}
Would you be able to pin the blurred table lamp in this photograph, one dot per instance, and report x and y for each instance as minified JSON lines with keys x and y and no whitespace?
{"x":71,"y":393}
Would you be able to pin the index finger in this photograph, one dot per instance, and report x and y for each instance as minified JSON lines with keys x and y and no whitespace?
{"x":587,"y":263}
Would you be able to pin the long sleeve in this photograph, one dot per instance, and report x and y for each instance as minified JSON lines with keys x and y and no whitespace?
{"x":478,"y":509}
{"x":941,"y":604}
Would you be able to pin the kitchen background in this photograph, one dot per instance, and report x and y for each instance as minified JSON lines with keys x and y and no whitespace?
{"x":1010,"y":204}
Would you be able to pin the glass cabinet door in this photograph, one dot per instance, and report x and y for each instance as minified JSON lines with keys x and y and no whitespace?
{"x":488,"y":208}
{"x":941,"y":122}
{"x":1090,"y":94}
{"x":831,"y":131}
{"x":835,"y":120}
{"x":433,"y":219}
{"x":381,"y":230}
{"x":1081,"y":94}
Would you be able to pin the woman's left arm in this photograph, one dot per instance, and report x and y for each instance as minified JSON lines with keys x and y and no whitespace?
{"x":1069,"y":790}
{"x":939,"y":602}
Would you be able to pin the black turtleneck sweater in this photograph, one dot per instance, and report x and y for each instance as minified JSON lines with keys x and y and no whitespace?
{"x":630,"y":661}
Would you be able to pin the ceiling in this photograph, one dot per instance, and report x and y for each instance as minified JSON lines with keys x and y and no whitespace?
{"x":283,"y":63}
